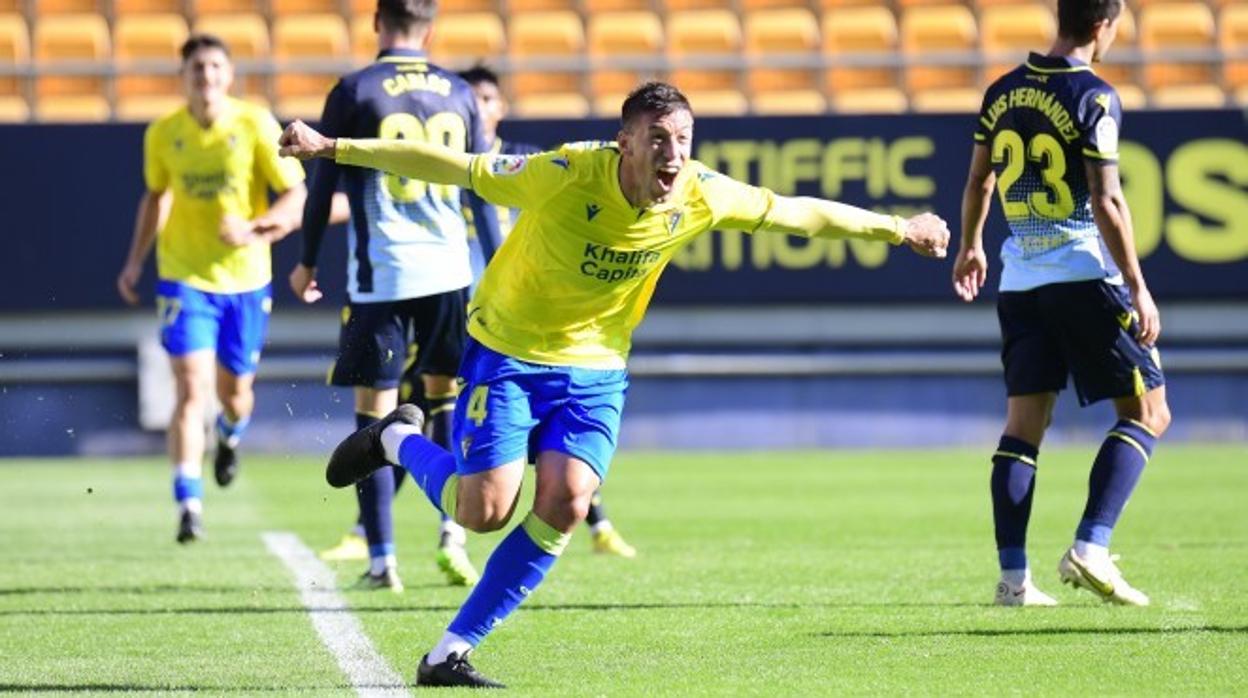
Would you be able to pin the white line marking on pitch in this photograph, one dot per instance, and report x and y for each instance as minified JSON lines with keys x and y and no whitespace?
{"x":340,"y":631}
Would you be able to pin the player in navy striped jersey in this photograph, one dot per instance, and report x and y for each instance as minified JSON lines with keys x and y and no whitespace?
{"x":492,"y":103}
{"x":1073,"y":299}
{"x":408,"y":256}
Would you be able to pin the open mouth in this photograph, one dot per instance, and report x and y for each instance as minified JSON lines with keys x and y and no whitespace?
{"x":667,"y":177}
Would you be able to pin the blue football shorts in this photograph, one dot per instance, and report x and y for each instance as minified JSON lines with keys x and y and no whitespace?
{"x":1084,"y":329}
{"x":232,"y":324}
{"x":510,"y":409}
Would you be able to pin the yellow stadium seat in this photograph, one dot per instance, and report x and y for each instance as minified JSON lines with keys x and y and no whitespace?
{"x":309,"y":49}
{"x":1189,"y":97}
{"x":549,"y":90}
{"x":1233,"y":40}
{"x":594,"y":7}
{"x":1176,"y":26}
{"x":472,"y":36}
{"x":526,"y":6}
{"x":247,"y":35}
{"x":1011,"y":30}
{"x":71,"y":42}
{"x":125,"y":8}
{"x":783,"y":33}
{"x":788,"y":102}
{"x":608,"y":88}
{"x":310,"y":37}
{"x":841,"y":4}
{"x":671,"y":6}
{"x":556,"y":33}
{"x":14,"y":54}
{"x":283,"y":8}
{"x":711,"y":92}
{"x":557,"y":105}
{"x":869,"y":100}
{"x":1127,"y":36}
{"x":13,"y":109}
{"x":861,"y":34}
{"x":227,"y":7}
{"x":750,"y":5}
{"x":962,"y":100}
{"x":718,"y":102}
{"x":63,"y":38}
{"x":363,"y":38}
{"x":149,"y":37}
{"x":633,"y":33}
{"x":302,"y":95}
{"x":787,"y":30}
{"x":563,"y":89}
{"x":696,"y":32}
{"x":146,"y":47}
{"x":945,"y":32}
{"x":450,"y":7}
{"x":83,"y":108}
{"x":144,"y":108}
{"x":67,"y":7}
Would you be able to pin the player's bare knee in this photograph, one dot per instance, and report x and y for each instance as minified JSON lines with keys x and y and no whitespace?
{"x":486,"y":517}
{"x":562,"y":509}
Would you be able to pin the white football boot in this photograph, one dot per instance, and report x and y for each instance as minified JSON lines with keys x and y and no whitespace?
{"x":1101,"y":577}
{"x":1025,"y":594}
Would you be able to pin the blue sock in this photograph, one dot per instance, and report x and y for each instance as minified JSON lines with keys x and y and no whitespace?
{"x":1115,"y":472}
{"x":231,"y":432}
{"x":185,"y":488}
{"x":430,"y":466}
{"x":515,"y":568}
{"x":376,"y":495}
{"x":1013,"y":484}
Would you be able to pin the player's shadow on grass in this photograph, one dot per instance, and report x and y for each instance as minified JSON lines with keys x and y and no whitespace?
{"x":358,"y":609}
{"x":1022,"y":632}
{"x":147,"y":589}
{"x":137,"y":688}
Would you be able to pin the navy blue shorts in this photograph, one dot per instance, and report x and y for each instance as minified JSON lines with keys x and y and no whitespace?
{"x":1085,"y":329}
{"x":379,"y":341}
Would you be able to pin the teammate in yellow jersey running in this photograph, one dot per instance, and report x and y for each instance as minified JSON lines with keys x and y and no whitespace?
{"x":551,"y":326}
{"x":217,"y":158}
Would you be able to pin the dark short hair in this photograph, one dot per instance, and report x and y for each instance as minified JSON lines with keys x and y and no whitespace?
{"x":401,"y":15}
{"x":198,"y":42}
{"x":658,"y":98}
{"x":478,"y":74}
{"x":1076,"y":19}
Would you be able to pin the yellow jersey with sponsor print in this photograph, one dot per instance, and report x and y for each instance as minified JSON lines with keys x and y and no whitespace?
{"x":226,"y":168}
{"x":573,"y":279}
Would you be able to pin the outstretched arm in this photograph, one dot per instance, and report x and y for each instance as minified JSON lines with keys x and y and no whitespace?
{"x":925,"y":233}
{"x":425,"y":161}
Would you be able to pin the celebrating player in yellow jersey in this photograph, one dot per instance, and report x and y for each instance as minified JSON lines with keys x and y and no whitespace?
{"x":551,"y":327}
{"x":217,"y":158}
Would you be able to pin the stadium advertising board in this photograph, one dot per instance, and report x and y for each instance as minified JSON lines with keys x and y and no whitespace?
{"x":1185,"y":175}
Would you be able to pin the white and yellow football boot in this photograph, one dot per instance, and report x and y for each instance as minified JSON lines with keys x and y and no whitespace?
{"x":1101,"y":577}
{"x":1025,"y":594}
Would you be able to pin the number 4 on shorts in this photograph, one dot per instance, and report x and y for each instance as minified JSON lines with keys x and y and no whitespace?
{"x":476,"y":404}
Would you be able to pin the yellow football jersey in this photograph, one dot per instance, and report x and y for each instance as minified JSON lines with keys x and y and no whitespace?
{"x":573,"y":279}
{"x":227,"y":168}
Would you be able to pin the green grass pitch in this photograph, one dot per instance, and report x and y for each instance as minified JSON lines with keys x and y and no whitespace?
{"x":776,"y":573}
